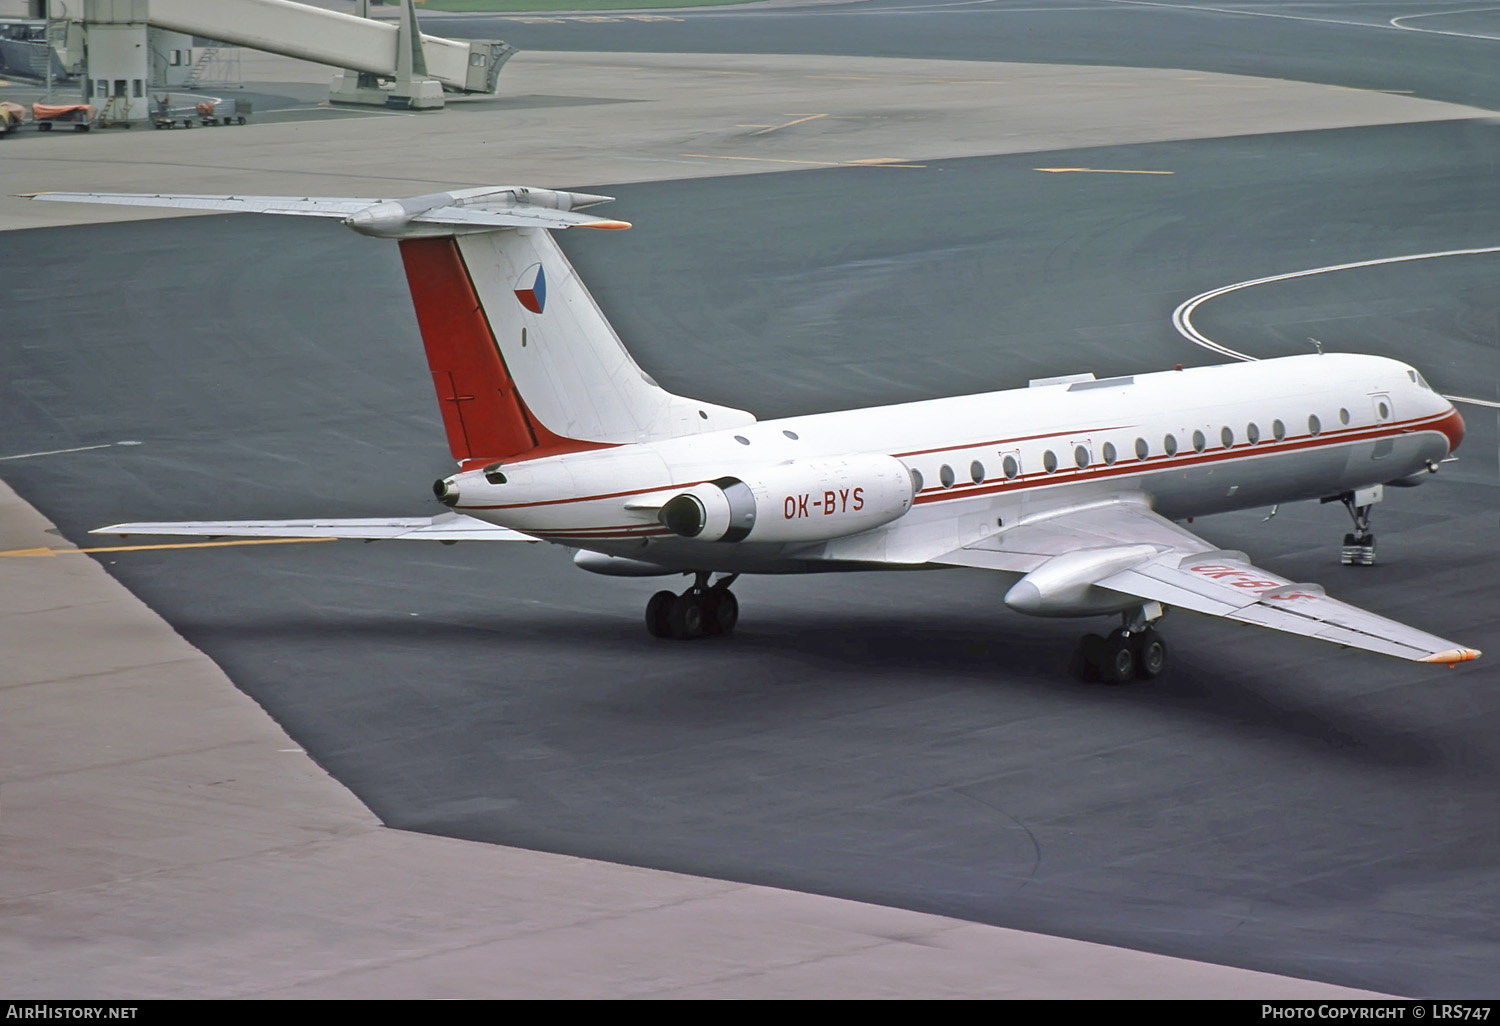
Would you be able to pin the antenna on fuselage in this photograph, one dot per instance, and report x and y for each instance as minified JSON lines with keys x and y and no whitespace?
{"x":1316,"y":344}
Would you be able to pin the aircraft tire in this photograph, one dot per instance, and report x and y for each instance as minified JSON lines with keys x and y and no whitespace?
{"x":686,"y":616}
{"x":1150,"y":654}
{"x":1117,"y":662}
{"x":658,"y":610}
{"x":1086,"y":658}
{"x":721,"y":611}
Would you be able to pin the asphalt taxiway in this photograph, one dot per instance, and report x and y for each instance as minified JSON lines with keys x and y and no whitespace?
{"x":1273,"y":804}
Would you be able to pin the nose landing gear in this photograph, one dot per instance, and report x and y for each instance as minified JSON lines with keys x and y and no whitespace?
{"x":1359,"y":547}
{"x":701,"y":611}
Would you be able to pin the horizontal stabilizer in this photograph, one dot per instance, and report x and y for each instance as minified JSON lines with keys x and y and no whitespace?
{"x":306,"y":206}
{"x":461,"y":211}
{"x":446,"y":527}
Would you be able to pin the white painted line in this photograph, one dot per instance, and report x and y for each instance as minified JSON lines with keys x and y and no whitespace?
{"x":1182,"y":317}
{"x":57,"y":452}
{"x":1247,"y":13}
{"x":1396,"y":23}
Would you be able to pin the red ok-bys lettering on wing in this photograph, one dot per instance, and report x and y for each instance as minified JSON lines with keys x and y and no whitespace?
{"x":1234,"y":576}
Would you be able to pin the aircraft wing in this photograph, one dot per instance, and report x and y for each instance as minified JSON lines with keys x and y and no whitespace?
{"x":306,"y":206}
{"x":446,"y":527}
{"x":1163,"y":562}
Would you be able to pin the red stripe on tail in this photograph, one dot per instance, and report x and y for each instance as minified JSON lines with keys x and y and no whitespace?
{"x":484,"y":416}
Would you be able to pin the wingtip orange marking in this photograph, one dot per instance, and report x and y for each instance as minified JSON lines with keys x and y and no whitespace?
{"x":613,"y":226}
{"x":1453,"y":656}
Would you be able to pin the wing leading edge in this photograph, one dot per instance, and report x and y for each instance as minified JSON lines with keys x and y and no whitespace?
{"x":1165,"y":563}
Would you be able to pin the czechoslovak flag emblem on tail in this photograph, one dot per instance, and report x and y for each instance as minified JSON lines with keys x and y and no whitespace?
{"x":531,"y":288}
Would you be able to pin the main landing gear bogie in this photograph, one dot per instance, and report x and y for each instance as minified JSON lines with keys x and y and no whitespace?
{"x":701,"y":611}
{"x":1135,"y":651}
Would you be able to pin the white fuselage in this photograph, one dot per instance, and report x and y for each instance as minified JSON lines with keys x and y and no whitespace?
{"x":1190,"y":442}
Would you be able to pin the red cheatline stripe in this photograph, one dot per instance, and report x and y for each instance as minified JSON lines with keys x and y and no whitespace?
{"x":590,"y":498}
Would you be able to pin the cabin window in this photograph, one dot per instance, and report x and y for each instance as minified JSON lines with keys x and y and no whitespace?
{"x":1142,"y":450}
{"x":976,"y":472}
{"x":1314,"y":425}
{"x":791,"y":434}
{"x":916,"y":480}
{"x":742,"y":439}
{"x":1011,"y":466}
{"x":1109,"y":452}
{"x":1049,"y":461}
{"x":1199,"y":441}
{"x":1253,"y":433}
{"x":1383,"y":408}
{"x":1343,"y":415}
{"x":1169,"y":445}
{"x":945,"y":475}
{"x":1081,"y":456}
{"x":1227,"y":437}
{"x":1278,"y":430}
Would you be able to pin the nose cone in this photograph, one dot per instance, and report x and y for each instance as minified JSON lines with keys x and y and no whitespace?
{"x":1453,"y":427}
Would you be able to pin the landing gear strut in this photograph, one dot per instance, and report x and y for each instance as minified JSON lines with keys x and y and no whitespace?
{"x":1359,"y":547}
{"x":702,"y":611}
{"x":1133,"y":650}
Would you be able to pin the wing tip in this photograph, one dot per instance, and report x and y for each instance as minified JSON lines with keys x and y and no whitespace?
{"x":607,"y":225}
{"x":1453,"y":656}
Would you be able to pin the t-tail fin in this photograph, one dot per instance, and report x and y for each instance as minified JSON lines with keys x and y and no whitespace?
{"x":524,"y":362}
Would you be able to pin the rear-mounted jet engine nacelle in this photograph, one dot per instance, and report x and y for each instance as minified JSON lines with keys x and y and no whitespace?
{"x":798,"y":501}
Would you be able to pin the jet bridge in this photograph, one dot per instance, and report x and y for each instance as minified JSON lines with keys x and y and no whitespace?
{"x":380,"y":63}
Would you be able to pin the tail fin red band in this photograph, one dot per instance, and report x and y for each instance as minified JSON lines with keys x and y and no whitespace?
{"x":484,"y":416}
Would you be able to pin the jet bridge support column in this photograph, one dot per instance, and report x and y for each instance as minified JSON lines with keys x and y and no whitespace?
{"x":412,"y":87}
{"x":118,"y":65}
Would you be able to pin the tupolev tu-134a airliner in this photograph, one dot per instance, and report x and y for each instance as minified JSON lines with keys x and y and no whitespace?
{"x":1070,"y":488}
